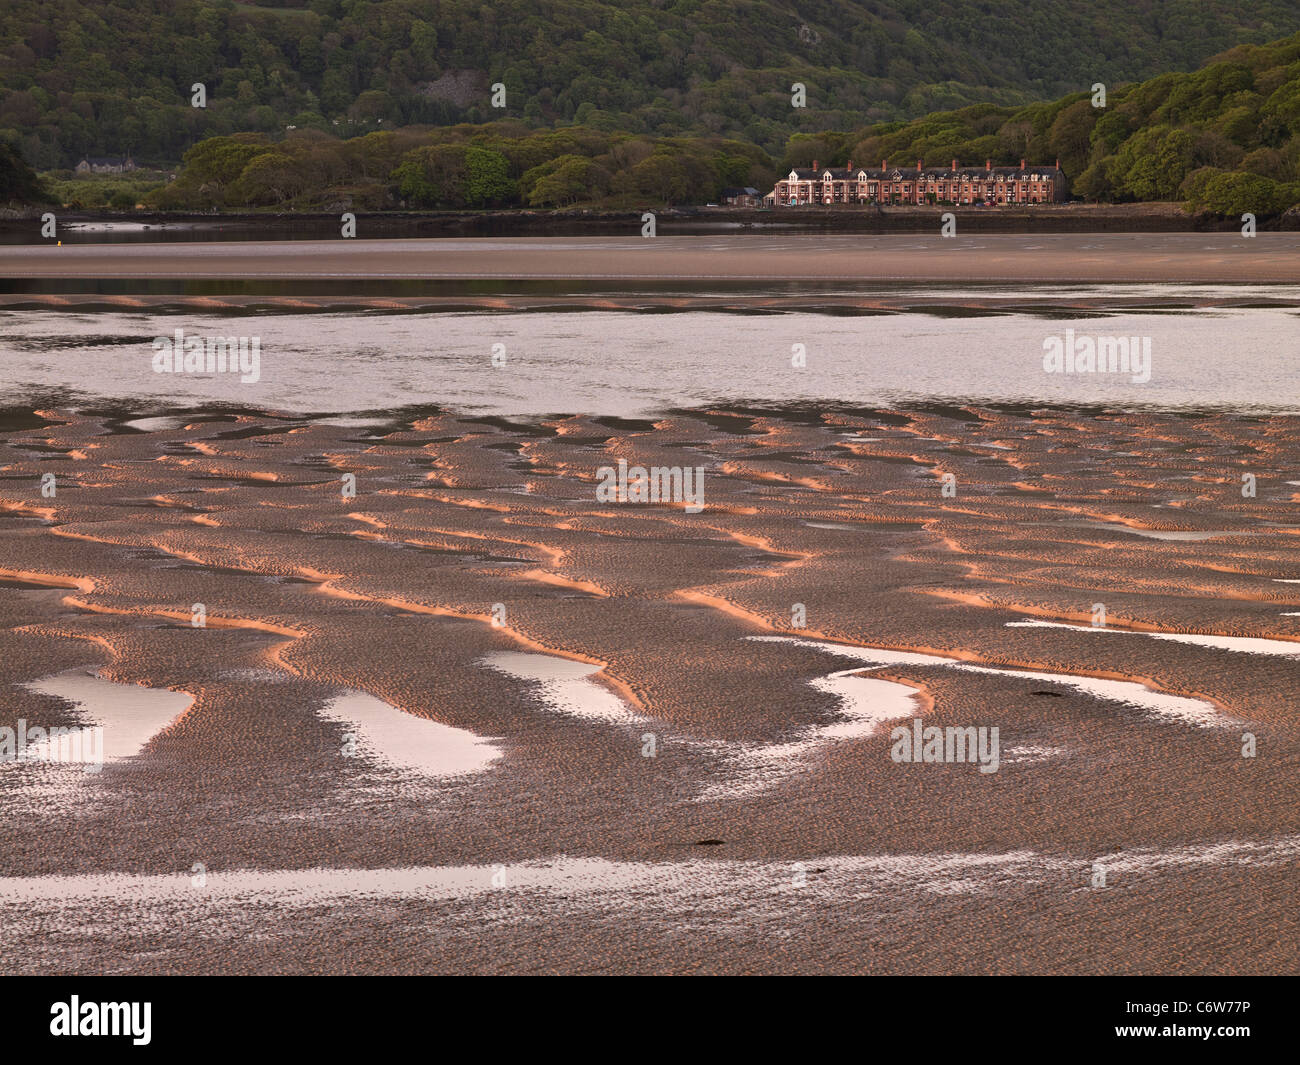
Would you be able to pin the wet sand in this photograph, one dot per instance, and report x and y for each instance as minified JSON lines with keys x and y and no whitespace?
{"x":1108,"y":257}
{"x":953,"y":302}
{"x":771,"y":831}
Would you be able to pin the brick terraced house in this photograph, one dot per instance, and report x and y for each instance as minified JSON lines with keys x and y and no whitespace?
{"x":831,"y":186}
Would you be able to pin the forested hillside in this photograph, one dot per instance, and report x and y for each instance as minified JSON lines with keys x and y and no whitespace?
{"x":108,"y":77}
{"x":1226,"y":138}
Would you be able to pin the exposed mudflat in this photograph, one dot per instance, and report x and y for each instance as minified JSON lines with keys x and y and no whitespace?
{"x":285,"y":821}
{"x":1040,"y":257}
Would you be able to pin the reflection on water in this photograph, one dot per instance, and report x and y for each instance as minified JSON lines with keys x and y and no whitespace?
{"x":125,"y":230}
{"x":956,"y":299}
{"x":129,"y":714}
{"x":1159,"y":704}
{"x":563,"y":685}
{"x":632,"y":365}
{"x":1252,"y":645}
{"x":408,"y":742}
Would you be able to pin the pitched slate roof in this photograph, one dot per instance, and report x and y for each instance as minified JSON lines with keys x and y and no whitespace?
{"x":933,"y":173}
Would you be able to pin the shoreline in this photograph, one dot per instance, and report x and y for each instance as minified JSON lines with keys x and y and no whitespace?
{"x":1154,"y":217}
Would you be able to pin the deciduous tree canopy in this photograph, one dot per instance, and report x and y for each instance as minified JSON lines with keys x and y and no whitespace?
{"x":111,"y":77}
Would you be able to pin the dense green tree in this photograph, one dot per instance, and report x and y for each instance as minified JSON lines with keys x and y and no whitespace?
{"x":661,"y":177}
{"x":1070,"y":135}
{"x":1152,"y":164}
{"x":269,"y":178}
{"x":18,"y":182}
{"x":564,"y":181}
{"x":703,"y":68}
{"x":1095,"y":183}
{"x":433,"y":176}
{"x":487,"y":178}
{"x":1235,"y":194}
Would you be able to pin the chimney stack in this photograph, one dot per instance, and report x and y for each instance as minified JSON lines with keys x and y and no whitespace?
{"x":1058,"y":162}
{"x":954,"y":165}
{"x":814,"y":164}
{"x":1022,"y":164}
{"x":849,"y":165}
{"x":988,"y":164}
{"x":884,"y":164}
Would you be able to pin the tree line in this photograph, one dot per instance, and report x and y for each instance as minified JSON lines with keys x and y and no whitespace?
{"x":112,"y":77}
{"x":1225,"y":138}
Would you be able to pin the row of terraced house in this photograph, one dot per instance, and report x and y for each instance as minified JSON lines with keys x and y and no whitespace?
{"x":943,"y":185}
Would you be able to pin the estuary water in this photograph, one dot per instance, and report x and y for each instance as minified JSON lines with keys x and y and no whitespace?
{"x":625,"y":363}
